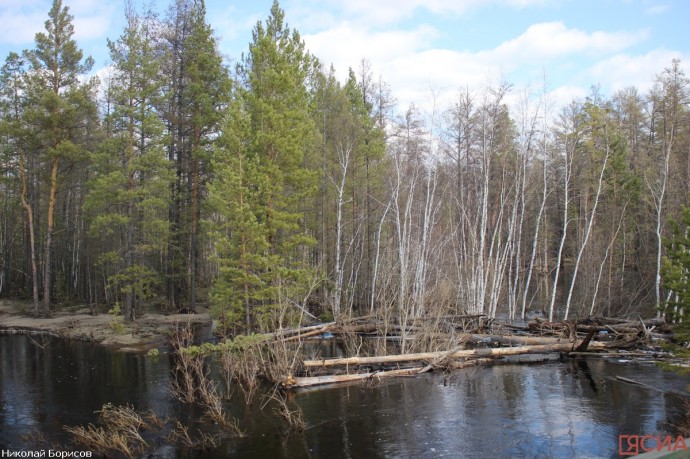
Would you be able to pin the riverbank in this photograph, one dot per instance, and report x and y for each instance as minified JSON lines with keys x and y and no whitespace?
{"x":76,"y":323}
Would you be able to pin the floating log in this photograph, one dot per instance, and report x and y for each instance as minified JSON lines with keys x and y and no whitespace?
{"x":430,"y":356}
{"x":310,"y":381}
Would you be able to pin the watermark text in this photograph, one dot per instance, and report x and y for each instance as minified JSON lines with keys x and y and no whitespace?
{"x":632,"y":445}
{"x":45,"y":453}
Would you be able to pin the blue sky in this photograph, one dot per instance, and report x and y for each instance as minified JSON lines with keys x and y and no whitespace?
{"x":424,"y":46}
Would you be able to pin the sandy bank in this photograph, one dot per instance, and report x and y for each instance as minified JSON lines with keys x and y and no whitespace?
{"x":146,"y":332}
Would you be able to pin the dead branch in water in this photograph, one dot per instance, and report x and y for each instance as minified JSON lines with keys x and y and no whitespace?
{"x":310,"y":381}
{"x":294,"y":418}
{"x":203,"y":441}
{"x":427,"y":356}
{"x":120,"y":432}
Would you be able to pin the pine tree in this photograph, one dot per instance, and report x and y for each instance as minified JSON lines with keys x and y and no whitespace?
{"x":196,"y":96}
{"x":128,"y":196}
{"x":239,"y":236}
{"x":265,"y":155}
{"x":208,"y":94}
{"x":12,"y":82}
{"x":60,"y":104}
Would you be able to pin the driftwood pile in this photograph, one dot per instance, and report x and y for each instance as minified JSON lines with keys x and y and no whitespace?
{"x":478,"y":341}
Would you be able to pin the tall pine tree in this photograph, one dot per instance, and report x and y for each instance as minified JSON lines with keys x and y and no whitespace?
{"x":12,"y":82}
{"x":60,"y":104}
{"x":196,"y":96}
{"x":264,"y":152}
{"x":208,"y":95}
{"x":128,"y":196}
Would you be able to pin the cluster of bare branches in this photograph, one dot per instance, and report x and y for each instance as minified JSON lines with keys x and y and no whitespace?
{"x":180,"y":435}
{"x":293,"y":417}
{"x":120,"y":431}
{"x":189,"y":366}
{"x":243,"y":363}
{"x":192,"y":383}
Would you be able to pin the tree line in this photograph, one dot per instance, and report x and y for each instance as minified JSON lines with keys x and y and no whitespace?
{"x":269,"y":190}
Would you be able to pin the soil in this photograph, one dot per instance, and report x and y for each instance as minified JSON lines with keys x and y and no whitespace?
{"x":147,"y":332}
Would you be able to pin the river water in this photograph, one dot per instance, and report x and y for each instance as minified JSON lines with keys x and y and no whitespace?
{"x":573,"y":408}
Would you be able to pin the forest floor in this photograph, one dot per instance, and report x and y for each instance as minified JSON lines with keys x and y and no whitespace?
{"x":148,"y":331}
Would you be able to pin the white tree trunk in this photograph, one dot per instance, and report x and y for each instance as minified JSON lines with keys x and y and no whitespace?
{"x":588,"y":231}
{"x":535,"y":241}
{"x":568,"y":163}
{"x":344,"y":152}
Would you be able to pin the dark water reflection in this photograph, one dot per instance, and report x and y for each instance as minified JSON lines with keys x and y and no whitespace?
{"x":561,"y":409}
{"x":44,"y":389}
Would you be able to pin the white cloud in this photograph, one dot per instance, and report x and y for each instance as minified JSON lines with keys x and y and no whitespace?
{"x":87,"y":28}
{"x":552,"y":39}
{"x":20,"y":28}
{"x":622,"y":70}
{"x":410,"y":62}
{"x":21,"y":21}
{"x":563,"y":95}
{"x":346,"y":45}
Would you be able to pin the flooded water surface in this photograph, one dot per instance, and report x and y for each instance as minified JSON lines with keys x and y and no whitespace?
{"x":573,"y":408}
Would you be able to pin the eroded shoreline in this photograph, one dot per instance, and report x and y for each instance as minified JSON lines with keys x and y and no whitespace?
{"x":147,"y":332}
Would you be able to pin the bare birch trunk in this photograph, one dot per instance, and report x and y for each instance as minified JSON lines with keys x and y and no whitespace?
{"x":344,"y":160}
{"x":566,"y":201}
{"x":588,"y":231}
{"x":535,"y":242}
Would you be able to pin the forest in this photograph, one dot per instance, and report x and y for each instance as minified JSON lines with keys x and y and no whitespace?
{"x":269,"y":191}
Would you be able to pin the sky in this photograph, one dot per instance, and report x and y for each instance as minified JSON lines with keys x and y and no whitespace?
{"x":428,"y":51}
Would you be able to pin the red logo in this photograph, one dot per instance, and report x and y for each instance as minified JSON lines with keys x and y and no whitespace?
{"x":632,"y":445}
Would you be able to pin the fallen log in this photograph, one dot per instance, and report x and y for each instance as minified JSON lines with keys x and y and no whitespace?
{"x":449,"y":317}
{"x":312,"y":330}
{"x":364,"y":328}
{"x":287,"y":332}
{"x":309,"y":334}
{"x":310,"y":381}
{"x":356,"y":319}
{"x":512,"y":340}
{"x":611,"y":320}
{"x":621,"y":326}
{"x":430,"y":356}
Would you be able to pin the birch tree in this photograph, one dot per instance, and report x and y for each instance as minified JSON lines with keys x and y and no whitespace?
{"x":601,"y":141}
{"x":670,"y":100}
{"x":569,"y":139}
